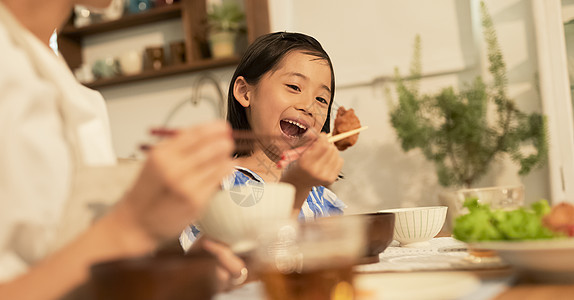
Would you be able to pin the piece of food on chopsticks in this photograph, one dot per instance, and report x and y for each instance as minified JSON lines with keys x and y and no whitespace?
{"x":346,"y":120}
{"x":485,"y":224}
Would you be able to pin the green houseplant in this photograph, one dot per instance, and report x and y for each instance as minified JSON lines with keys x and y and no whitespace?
{"x":463,"y":132}
{"x":225,"y":21}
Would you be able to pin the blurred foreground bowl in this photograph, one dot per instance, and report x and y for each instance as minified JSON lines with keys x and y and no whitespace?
{"x":174,"y":277}
{"x":234,"y":216}
{"x":379,"y":230}
{"x":415,"y":226}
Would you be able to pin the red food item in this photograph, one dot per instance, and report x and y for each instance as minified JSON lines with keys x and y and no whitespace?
{"x":561,"y":219}
{"x":346,"y":120}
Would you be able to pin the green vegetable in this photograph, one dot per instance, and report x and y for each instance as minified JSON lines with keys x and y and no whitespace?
{"x":484,"y":224}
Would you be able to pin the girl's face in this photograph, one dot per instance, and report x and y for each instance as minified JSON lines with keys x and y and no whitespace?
{"x":291,"y":101}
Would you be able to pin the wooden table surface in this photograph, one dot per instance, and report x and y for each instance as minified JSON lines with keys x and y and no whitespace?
{"x":527,"y":290}
{"x":537,"y":292}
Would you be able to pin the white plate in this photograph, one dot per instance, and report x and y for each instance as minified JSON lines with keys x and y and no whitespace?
{"x":414,"y":286}
{"x":541,"y":260}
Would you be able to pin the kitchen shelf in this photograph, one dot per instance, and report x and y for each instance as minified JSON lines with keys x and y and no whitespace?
{"x":195,"y":66}
{"x":193,"y":16}
{"x":128,"y":20}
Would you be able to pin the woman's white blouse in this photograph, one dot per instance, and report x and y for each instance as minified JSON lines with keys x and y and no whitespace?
{"x":49,"y":124}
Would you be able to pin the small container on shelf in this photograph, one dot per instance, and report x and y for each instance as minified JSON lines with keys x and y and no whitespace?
{"x":114,"y":11}
{"x":82,"y":16}
{"x":84,"y":73}
{"x":106,"y":68}
{"x":131,"y":62}
{"x":138,"y":6}
{"x":154,"y":58}
{"x":164,"y":2}
{"x":177,"y":53}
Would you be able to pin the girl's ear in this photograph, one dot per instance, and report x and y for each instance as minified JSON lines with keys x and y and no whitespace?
{"x":241,"y":91}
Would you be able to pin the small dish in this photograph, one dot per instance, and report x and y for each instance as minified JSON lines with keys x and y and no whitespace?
{"x":417,"y":285}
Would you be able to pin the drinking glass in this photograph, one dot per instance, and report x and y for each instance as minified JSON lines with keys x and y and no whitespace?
{"x":498,"y":197}
{"x":313,"y":260}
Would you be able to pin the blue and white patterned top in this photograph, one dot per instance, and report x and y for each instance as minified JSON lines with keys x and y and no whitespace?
{"x":321,"y":201}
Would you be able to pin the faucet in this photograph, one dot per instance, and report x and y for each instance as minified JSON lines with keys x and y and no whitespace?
{"x":196,"y":86}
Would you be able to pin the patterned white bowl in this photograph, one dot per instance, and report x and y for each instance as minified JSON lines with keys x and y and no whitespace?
{"x":234,"y":216}
{"x":415,"y":226}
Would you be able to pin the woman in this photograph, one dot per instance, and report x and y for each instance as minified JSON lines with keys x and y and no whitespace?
{"x":53,"y":130}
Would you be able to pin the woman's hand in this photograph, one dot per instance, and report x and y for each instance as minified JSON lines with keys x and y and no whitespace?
{"x":181,"y":174}
{"x":179,"y":177}
{"x":231,"y":269}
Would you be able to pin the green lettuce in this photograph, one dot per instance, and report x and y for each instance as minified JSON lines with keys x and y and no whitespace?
{"x":485,"y":224}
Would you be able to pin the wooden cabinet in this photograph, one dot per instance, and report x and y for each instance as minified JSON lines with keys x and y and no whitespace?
{"x":193,"y":15}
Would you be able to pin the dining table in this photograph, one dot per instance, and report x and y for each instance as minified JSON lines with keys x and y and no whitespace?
{"x":441,"y":270}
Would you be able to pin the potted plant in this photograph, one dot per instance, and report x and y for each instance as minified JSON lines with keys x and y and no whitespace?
{"x":463,"y":132}
{"x":225,"y":21}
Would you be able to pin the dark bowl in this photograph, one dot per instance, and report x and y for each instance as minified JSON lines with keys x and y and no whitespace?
{"x":380,"y":227}
{"x":168,"y":277}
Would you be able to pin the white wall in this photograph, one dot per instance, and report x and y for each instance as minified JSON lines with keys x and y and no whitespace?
{"x":366,"y":40}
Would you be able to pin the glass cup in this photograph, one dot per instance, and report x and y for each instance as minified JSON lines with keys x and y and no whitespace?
{"x":312,"y":260}
{"x":498,"y":197}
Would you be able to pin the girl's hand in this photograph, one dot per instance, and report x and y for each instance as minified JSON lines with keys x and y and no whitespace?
{"x":231,"y":269}
{"x":181,"y":174}
{"x":319,"y":164}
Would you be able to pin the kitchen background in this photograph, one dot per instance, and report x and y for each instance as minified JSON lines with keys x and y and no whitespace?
{"x":366,"y":39}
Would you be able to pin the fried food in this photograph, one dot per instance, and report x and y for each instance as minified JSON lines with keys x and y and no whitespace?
{"x":561,"y":218}
{"x":346,"y":120}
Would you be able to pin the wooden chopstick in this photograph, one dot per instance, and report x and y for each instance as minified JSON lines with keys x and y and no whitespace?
{"x":247,"y":134}
{"x":291,"y":155}
{"x":237,"y":134}
{"x":343,"y":135}
{"x":243,"y":138}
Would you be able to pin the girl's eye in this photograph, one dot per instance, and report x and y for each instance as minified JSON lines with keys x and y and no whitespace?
{"x":321,"y":100}
{"x":294,"y":87}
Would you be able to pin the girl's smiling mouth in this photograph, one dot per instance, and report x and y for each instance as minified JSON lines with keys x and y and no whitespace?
{"x":292,"y":128}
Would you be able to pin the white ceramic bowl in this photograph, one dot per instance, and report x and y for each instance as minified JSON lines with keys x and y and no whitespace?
{"x":415,"y":226}
{"x":234,"y":216}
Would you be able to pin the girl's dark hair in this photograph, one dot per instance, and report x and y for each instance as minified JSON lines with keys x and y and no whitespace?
{"x":263,"y":56}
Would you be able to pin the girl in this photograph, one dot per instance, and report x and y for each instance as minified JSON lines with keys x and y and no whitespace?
{"x":282,"y":91}
{"x":284,"y":87}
